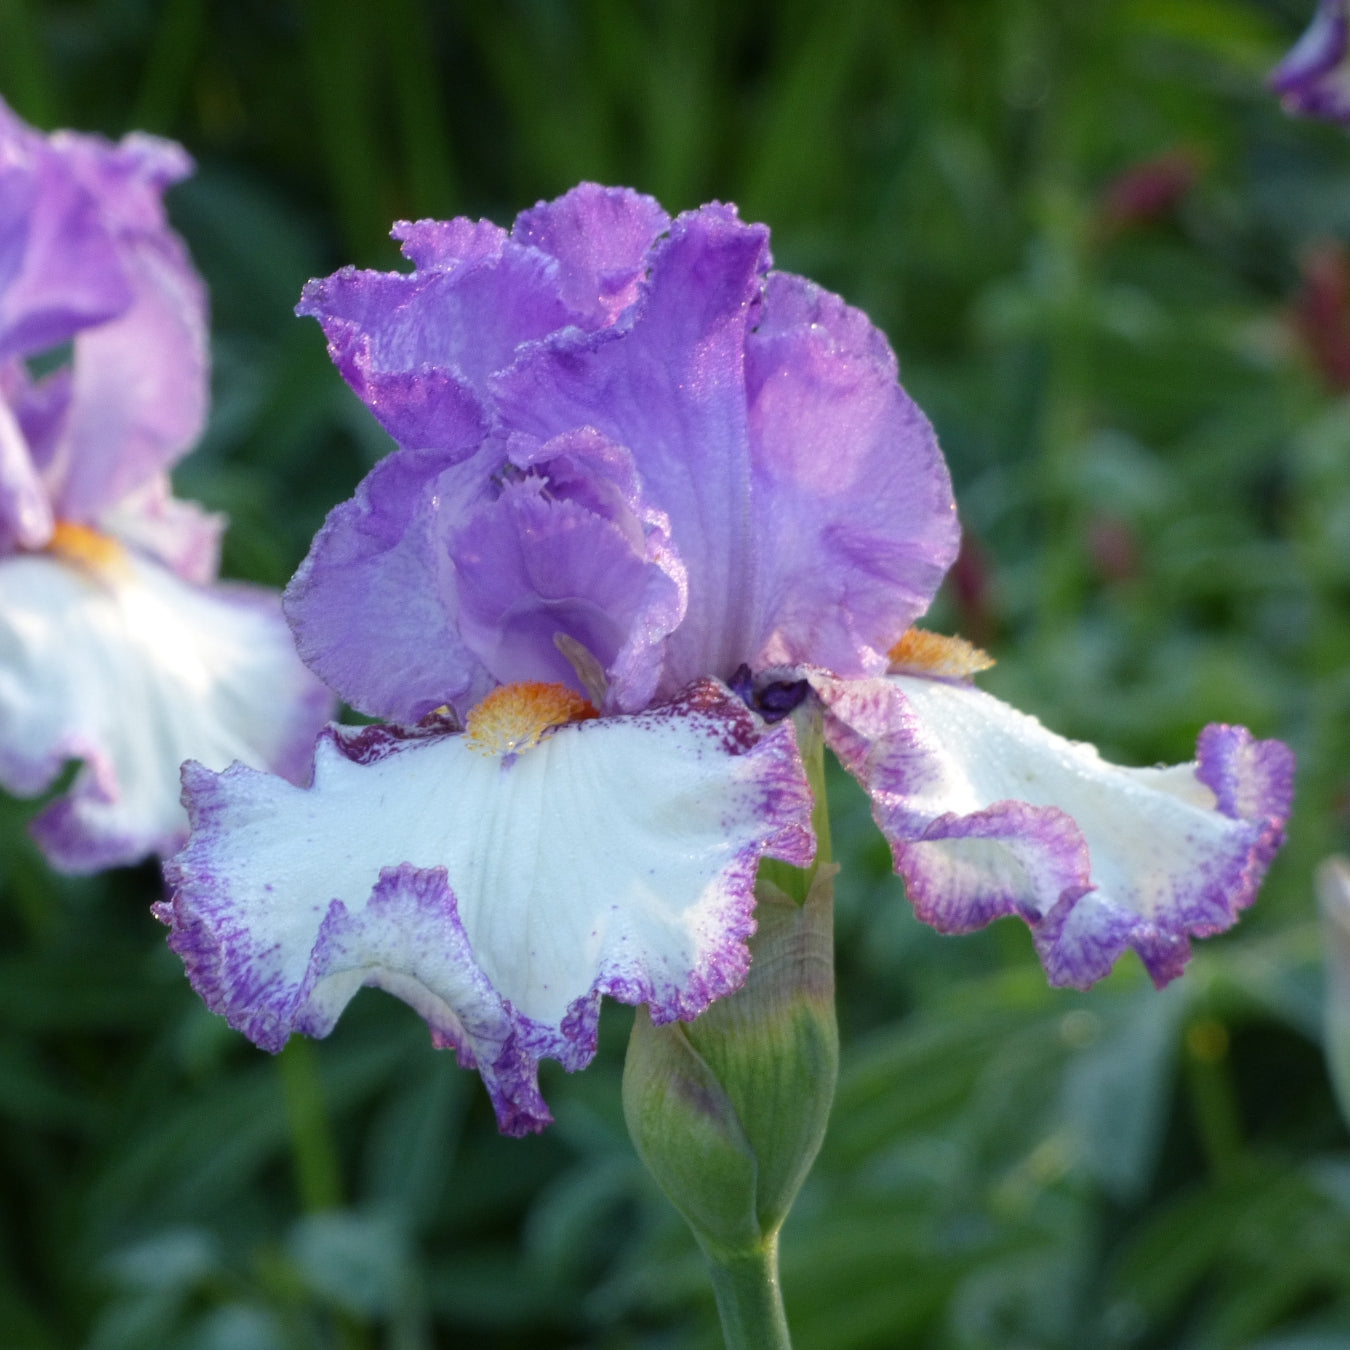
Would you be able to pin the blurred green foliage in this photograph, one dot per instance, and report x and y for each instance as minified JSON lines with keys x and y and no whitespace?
{"x":1109,"y":266}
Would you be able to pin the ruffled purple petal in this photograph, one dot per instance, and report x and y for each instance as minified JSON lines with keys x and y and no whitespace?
{"x":854,"y":502}
{"x":805,"y":492}
{"x":374,"y":606}
{"x":669,"y":384}
{"x":988,"y":813}
{"x":449,"y":329}
{"x":86,"y":255}
{"x":570,"y":547}
{"x":130,"y":670}
{"x":601,"y":237}
{"x":59,"y":265}
{"x":140,"y":382}
{"x":794,"y":503}
{"x":501,"y":896}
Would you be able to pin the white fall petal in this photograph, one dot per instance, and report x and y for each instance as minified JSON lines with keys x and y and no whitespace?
{"x":121,"y":664}
{"x":500,"y":895}
{"x":988,"y":813}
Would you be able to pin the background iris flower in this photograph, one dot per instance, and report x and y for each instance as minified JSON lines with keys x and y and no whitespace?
{"x":1313,"y":80}
{"x":115,"y":647}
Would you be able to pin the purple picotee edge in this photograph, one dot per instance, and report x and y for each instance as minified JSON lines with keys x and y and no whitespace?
{"x":1078,"y":934}
{"x":222,"y":961}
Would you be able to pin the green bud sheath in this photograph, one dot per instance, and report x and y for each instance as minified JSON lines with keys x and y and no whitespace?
{"x":728,"y":1112}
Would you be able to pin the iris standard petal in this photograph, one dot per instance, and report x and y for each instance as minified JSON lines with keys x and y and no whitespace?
{"x":853,"y":499}
{"x":805,"y":511}
{"x":117,"y":662}
{"x":570,"y":546}
{"x":139,"y":383}
{"x":444,"y":576}
{"x":500,"y":892}
{"x":59,"y":267}
{"x":669,"y":384}
{"x":418,"y":348}
{"x":387,"y":331}
{"x":374,"y":605}
{"x":988,"y":813}
{"x":600,"y":237}
{"x":86,"y":255}
{"x":805,"y":491}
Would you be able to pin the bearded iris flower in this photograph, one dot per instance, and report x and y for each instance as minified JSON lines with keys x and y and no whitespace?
{"x":1313,"y":80}
{"x":638,"y":465}
{"x":115,"y":648}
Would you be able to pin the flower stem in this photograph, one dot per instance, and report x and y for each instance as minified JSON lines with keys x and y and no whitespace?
{"x":749,"y":1300}
{"x":312,"y":1146}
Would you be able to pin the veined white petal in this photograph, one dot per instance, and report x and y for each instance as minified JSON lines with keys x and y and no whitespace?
{"x":500,"y":895}
{"x":988,"y":813}
{"x":130,"y":669}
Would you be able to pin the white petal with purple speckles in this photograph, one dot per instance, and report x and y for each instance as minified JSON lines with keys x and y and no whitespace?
{"x":988,"y":814}
{"x":500,"y":896}
{"x":132,"y":670}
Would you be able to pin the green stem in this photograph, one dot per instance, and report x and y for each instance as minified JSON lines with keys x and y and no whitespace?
{"x":749,"y":1300}
{"x":312,"y":1146}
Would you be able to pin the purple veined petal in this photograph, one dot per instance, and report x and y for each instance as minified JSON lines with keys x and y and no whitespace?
{"x":449,"y":328}
{"x":180,"y":534}
{"x":805,"y":492}
{"x":129,"y":177}
{"x":854,"y":499}
{"x":601,"y":236}
{"x":375,"y":607}
{"x":26,"y":519}
{"x":988,"y":814}
{"x":1313,"y":80}
{"x":121,"y":664}
{"x":445,"y":244}
{"x":139,"y":385}
{"x":569,"y":546}
{"x":669,"y":383}
{"x":501,"y":895}
{"x":40,"y":407}
{"x":59,"y":266}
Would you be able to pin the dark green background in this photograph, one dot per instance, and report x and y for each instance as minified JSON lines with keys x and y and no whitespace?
{"x":1153,"y":467}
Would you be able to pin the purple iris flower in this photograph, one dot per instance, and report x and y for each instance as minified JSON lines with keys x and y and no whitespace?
{"x":1313,"y":80}
{"x":639,"y":470}
{"x":115,"y":649}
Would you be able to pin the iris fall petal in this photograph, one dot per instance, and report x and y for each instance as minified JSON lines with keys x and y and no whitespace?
{"x":123,"y":665}
{"x":499,"y":894}
{"x":989,"y":814}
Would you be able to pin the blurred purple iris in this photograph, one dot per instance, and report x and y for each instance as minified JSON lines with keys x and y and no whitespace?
{"x":1313,"y":80}
{"x":114,"y":647}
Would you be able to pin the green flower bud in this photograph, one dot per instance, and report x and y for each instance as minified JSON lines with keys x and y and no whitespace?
{"x":728,"y":1112}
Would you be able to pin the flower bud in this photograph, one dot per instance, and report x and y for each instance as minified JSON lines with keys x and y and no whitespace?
{"x":728,"y":1112}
